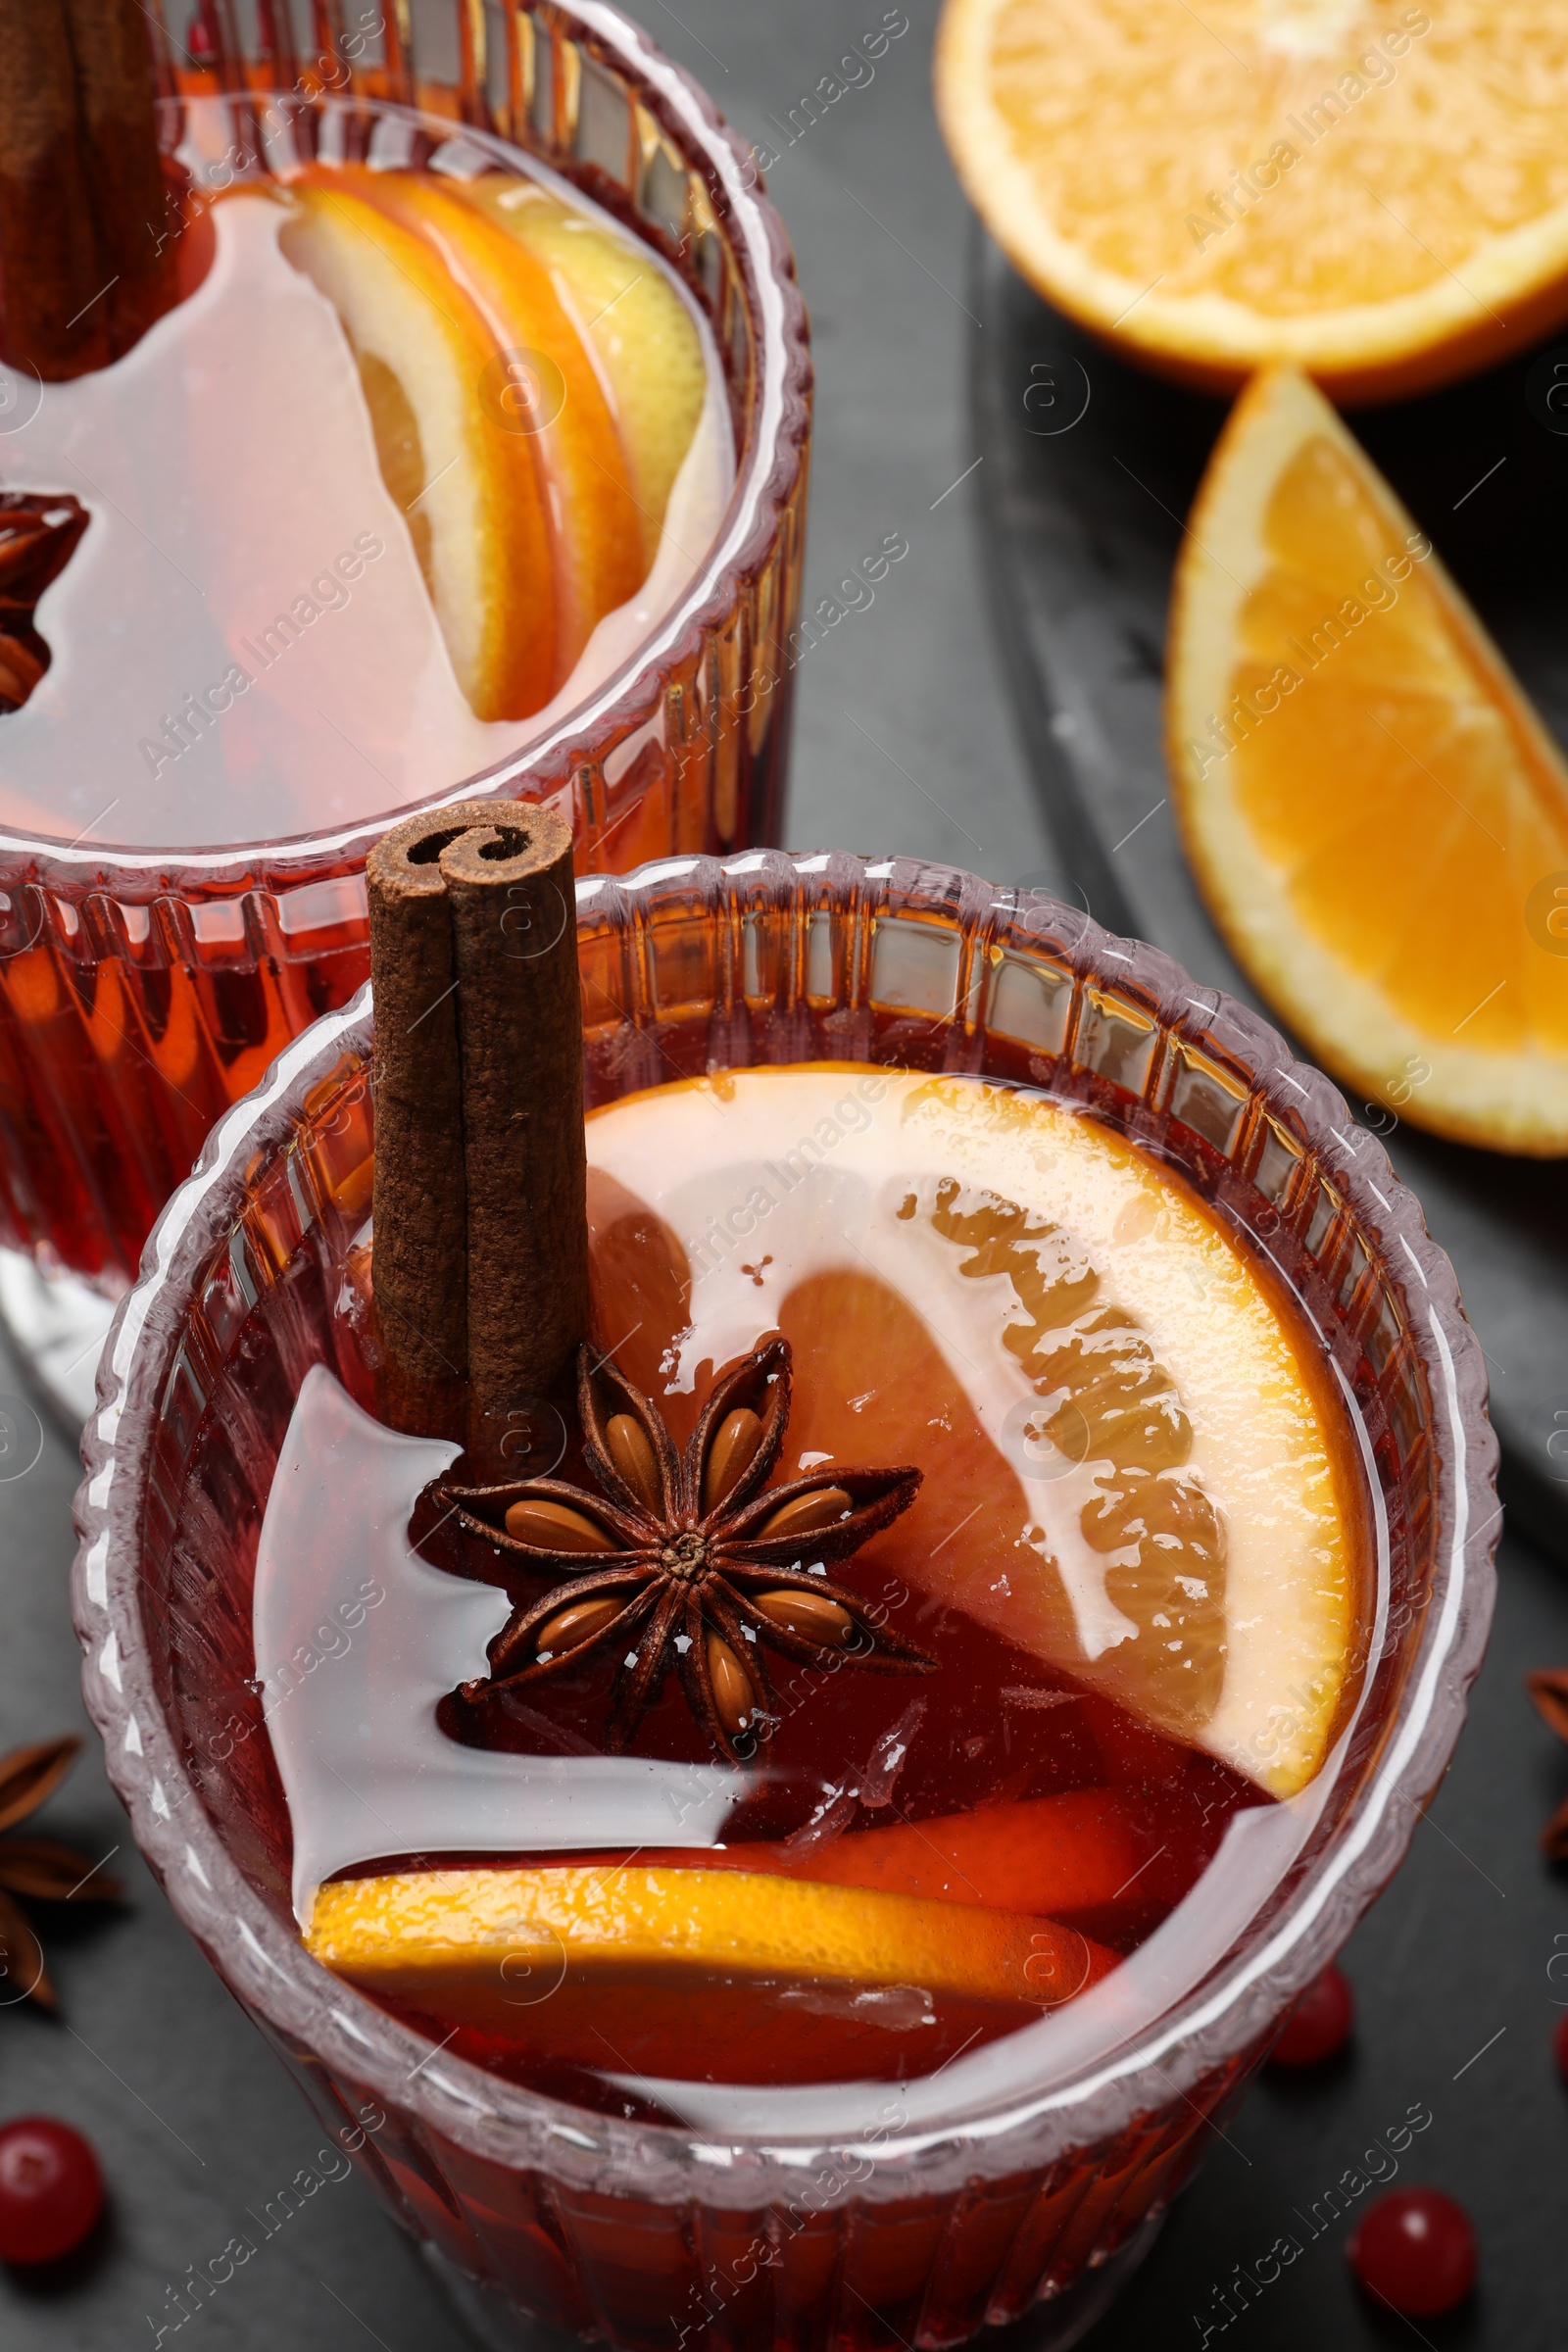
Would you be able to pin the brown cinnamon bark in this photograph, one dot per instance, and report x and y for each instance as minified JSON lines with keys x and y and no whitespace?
{"x":481,"y":1200}
{"x":49,"y":262}
{"x":85,"y":268}
{"x":419,"y":1201}
{"x":126,"y":181}
{"x":519,"y":1023}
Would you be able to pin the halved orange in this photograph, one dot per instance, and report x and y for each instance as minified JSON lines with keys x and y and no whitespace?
{"x":1368,"y":190}
{"x":1377,"y":818}
{"x":486,"y":1947}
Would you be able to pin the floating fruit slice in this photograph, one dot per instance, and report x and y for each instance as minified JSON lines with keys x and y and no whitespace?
{"x":1095,"y":1852}
{"x":1371,"y":192}
{"x":469,"y":492}
{"x":464,"y":1944}
{"x":1136,"y":1466}
{"x":1377,"y":818}
{"x":1242,"y":1647}
{"x":549,"y":405}
{"x":640,"y":332}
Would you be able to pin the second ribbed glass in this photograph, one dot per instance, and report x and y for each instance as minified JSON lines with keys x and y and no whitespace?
{"x":1012,"y":2178}
{"x":143,"y":991}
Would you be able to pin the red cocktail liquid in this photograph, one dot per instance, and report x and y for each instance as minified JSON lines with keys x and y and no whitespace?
{"x":998,"y":1782}
{"x":144,"y":989}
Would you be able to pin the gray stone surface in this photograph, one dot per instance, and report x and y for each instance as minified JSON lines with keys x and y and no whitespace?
{"x":904,"y":743}
{"x":904,"y":740}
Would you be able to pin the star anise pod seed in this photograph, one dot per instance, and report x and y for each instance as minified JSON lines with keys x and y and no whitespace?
{"x":682,"y":1559}
{"x":35,"y":1867}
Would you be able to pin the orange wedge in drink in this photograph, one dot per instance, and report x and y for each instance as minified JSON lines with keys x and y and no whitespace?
{"x":1091,"y":1857}
{"x":1372,"y":191}
{"x":539,"y":391}
{"x":1134,"y":1465}
{"x":474,"y":503}
{"x":1377,"y":818}
{"x":627,"y":310}
{"x":538,"y":1954}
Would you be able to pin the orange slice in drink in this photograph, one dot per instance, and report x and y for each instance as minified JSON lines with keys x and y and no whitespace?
{"x":492,"y":1950}
{"x":1136,"y":1464}
{"x":469,"y":492}
{"x":1376,"y":193}
{"x":1377,"y":818}
{"x":1095,"y":1858}
{"x":541,"y":392}
{"x":627,"y":312}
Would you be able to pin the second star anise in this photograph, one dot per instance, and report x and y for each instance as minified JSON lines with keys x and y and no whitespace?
{"x":683,"y":1559}
{"x":38,"y":535}
{"x":37,"y":1868}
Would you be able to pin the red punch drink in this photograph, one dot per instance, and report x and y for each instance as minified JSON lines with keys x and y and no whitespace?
{"x":472,"y":450}
{"x":819,"y":1813}
{"x":964,"y":1570}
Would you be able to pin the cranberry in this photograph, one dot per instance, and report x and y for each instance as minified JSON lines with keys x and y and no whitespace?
{"x":1559,"y":2042}
{"x":1318,"y":2025}
{"x":51,"y":2190}
{"x":1416,"y":2251}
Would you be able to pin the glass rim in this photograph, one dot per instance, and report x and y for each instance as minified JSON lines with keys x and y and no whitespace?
{"x":765,"y":479}
{"x":1213,"y":2024}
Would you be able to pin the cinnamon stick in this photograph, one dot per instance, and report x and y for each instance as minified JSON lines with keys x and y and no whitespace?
{"x":84,"y":269}
{"x":115,"y":99}
{"x":520,"y":1024}
{"x":480,"y":1197}
{"x":48,"y":235}
{"x":419,"y":1198}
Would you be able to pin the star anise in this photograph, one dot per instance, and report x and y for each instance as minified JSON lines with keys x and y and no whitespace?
{"x":38,"y":535}
{"x":36,"y":1867}
{"x":684,"y":1558}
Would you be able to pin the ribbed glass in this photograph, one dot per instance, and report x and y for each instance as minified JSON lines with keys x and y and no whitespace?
{"x":143,"y":992}
{"x":1000,"y":2185}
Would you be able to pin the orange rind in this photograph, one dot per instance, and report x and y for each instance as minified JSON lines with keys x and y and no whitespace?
{"x":465,"y":1944}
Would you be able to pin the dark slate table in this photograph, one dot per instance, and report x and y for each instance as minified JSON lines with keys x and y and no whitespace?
{"x":906,"y":741}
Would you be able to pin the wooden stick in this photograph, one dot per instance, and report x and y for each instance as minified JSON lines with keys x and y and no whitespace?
{"x":480,"y":1199}
{"x":515,"y":935}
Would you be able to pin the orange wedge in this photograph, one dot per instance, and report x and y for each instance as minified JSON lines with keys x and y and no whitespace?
{"x":473,"y":505}
{"x":629,"y":313}
{"x":1091,"y":1851}
{"x":1377,"y":818}
{"x":1374,"y":192}
{"x":595,"y":531}
{"x":465,"y":1944}
{"x":1197,"y":1552}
